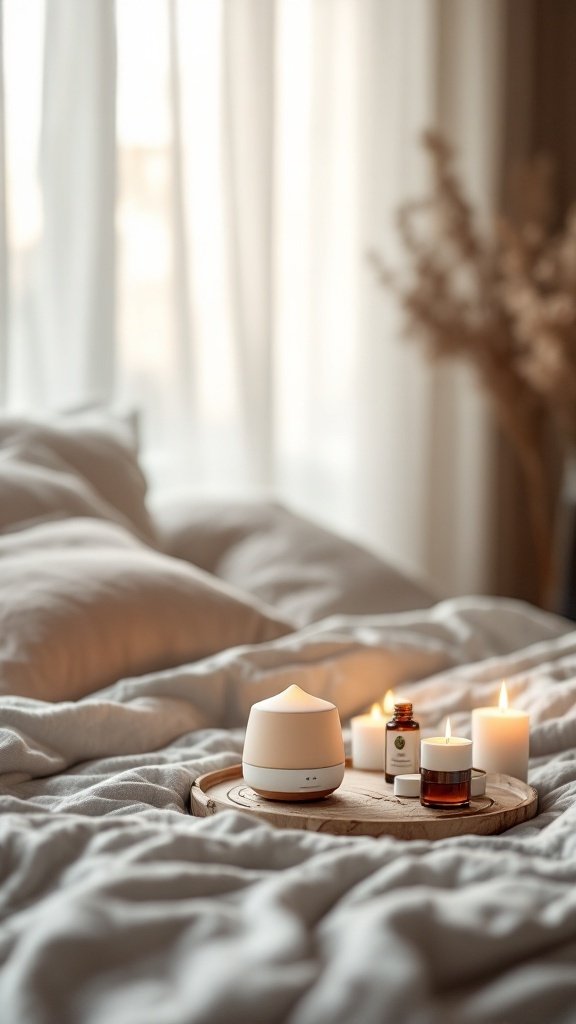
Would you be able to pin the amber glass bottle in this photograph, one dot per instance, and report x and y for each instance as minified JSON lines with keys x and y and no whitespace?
{"x":402,"y":756}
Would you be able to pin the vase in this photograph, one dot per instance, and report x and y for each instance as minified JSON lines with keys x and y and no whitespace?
{"x":563,"y":590}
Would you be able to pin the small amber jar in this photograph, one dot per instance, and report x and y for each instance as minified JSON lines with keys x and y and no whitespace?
{"x":446,"y":790}
{"x":402,"y":747}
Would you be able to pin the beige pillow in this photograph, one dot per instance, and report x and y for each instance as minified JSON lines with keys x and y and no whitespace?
{"x":36,"y":484}
{"x":83,"y":532}
{"x":96,"y":607}
{"x":300,"y":568}
{"x":101,"y":449}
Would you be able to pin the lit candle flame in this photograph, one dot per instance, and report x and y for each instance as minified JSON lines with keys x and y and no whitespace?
{"x":448,"y":732}
{"x":503,"y":702}
{"x":388,"y":702}
{"x":376,"y":711}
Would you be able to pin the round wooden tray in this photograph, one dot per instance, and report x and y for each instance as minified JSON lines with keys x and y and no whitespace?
{"x":365,"y":805}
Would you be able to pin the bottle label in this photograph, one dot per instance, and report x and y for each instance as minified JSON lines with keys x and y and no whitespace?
{"x":402,"y":752}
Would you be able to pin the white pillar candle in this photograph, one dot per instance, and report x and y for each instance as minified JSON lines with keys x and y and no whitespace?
{"x":446,"y":753}
{"x":368,"y":739}
{"x":501,"y":738}
{"x":439,"y":754}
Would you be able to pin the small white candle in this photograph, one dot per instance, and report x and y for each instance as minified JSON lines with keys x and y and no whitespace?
{"x":368,"y":738}
{"x":388,"y":702}
{"x":446,"y":753}
{"x":501,"y":738}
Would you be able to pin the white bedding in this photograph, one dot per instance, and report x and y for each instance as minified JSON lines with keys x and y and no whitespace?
{"x":118,"y":906}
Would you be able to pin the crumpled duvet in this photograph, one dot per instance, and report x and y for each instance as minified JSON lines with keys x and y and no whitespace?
{"x":119,"y":907}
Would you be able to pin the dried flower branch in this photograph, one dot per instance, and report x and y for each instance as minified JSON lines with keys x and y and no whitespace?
{"x":505,"y":302}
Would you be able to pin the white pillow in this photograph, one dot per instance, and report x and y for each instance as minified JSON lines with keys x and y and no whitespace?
{"x":303,"y":570}
{"x":100,"y":449}
{"x":36,"y":484}
{"x":83,"y":606}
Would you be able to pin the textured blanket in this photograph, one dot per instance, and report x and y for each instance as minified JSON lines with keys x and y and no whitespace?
{"x":119,"y":907}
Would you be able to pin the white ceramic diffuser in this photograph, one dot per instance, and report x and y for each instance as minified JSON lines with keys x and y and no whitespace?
{"x":293,"y":748}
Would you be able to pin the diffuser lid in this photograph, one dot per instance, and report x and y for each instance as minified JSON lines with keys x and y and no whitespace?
{"x":293,"y":700}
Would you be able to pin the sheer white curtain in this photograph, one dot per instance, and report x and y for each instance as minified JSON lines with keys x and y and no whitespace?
{"x":60,"y":101}
{"x":261,"y":147}
{"x":3,"y":231}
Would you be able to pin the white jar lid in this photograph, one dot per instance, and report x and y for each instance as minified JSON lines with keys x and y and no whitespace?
{"x":407,"y":785}
{"x":478,"y":782}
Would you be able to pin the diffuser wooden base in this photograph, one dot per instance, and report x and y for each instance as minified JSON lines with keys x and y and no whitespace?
{"x":365,"y":805}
